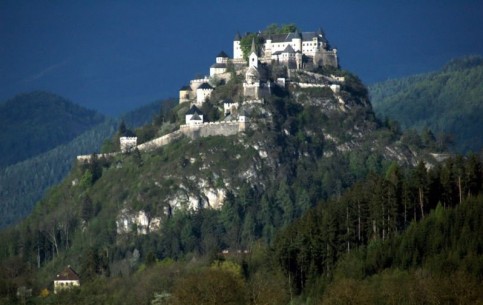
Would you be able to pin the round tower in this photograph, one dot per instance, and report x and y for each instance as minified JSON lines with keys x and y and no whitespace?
{"x":237,"y":52}
{"x":297,"y":41}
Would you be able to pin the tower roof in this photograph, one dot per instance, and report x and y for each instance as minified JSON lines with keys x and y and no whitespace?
{"x":194,"y":110}
{"x":185,"y":88}
{"x":205,"y":86}
{"x":288,"y":49}
{"x":222,"y":54}
{"x":218,"y":65}
{"x":253,"y":49}
{"x":237,"y":37}
{"x":196,"y":117}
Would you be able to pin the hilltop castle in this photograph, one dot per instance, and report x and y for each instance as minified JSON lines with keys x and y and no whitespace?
{"x":293,"y":51}
{"x":296,"y":50}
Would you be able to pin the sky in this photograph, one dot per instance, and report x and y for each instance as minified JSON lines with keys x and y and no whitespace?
{"x":114,"y":56}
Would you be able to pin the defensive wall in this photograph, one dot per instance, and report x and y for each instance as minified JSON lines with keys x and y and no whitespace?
{"x":192,"y":131}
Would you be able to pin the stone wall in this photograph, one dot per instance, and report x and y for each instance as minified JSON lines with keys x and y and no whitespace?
{"x":191,"y":131}
{"x":333,"y":87}
{"x":87,"y":158}
{"x":128,"y":143}
{"x":161,"y":141}
{"x":212,"y":129}
{"x":195,"y":83}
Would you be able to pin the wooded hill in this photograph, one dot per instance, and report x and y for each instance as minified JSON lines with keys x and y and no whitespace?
{"x":448,"y":102}
{"x":322,"y":203}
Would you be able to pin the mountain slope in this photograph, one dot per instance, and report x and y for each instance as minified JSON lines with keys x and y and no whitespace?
{"x":198,"y":195}
{"x":35,"y":122}
{"x":447,"y":101}
{"x":301,"y":146}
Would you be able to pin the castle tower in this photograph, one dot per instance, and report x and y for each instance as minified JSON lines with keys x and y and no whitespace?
{"x":194,"y":116}
{"x":251,"y":85}
{"x":237,"y":51}
{"x":298,"y":60}
{"x":253,"y":58}
{"x":222,"y":58}
{"x":203,"y":92}
{"x":268,"y":49}
{"x":297,"y":41}
{"x":185,"y":94}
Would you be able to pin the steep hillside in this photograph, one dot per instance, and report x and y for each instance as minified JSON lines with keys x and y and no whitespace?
{"x":36,"y":122}
{"x":448,"y":101}
{"x":199,"y":195}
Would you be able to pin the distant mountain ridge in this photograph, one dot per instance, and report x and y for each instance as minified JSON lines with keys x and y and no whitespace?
{"x":447,"y":101}
{"x":24,"y":182}
{"x":35,"y":122}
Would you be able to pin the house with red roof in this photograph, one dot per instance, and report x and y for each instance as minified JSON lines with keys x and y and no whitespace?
{"x":66,"y":279}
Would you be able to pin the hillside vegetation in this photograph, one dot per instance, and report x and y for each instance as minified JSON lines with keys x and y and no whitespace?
{"x":266,"y":216}
{"x":36,"y":122}
{"x":449,"y":102}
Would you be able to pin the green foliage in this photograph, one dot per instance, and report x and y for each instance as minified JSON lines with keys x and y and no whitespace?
{"x":447,"y":102}
{"x":360,"y":231}
{"x":280,"y":29}
{"x":246,"y":44}
{"x":307,"y":214}
{"x":272,"y":29}
{"x":209,"y":287}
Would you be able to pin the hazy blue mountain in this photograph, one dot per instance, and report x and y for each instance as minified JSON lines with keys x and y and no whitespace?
{"x":22,"y":184}
{"x":448,"y":101}
{"x":35,"y":122}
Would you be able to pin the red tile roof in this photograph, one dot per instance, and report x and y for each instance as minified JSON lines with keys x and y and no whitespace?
{"x":68,"y":274}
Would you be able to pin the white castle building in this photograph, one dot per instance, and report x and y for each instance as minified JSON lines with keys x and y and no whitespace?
{"x":296,"y":50}
{"x":311,"y":46}
{"x":220,"y":65}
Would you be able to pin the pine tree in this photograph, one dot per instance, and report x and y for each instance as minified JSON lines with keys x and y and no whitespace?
{"x":473,"y":175}
{"x":285,"y":202}
{"x":420,"y":179}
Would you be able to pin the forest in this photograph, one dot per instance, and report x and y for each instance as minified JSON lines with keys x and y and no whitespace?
{"x":414,"y":228}
{"x":448,"y":102}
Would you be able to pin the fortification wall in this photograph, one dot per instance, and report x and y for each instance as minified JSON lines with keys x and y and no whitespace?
{"x":195,"y":83}
{"x":191,"y":131}
{"x":212,"y":129}
{"x":334,"y":88}
{"x":87,"y":158}
{"x":161,"y":141}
